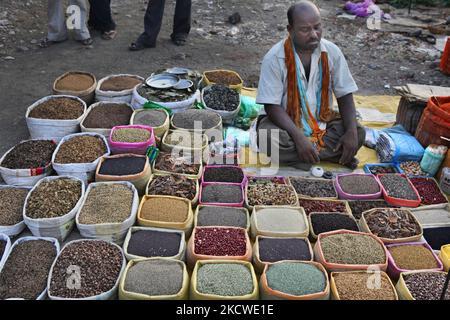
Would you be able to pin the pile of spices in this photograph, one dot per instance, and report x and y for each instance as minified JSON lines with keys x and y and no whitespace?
{"x":2,"y":248}
{"x":108,"y":115}
{"x":12,"y":201}
{"x":99,"y":264}
{"x":222,"y":98}
{"x":412,"y":168}
{"x":151,"y":118}
{"x":413,"y":257}
{"x":183,"y":139}
{"x":325,"y":222}
{"x":81,"y":149}
{"x":30,"y":154}
{"x":222,"y":216}
{"x":173,"y":185}
{"x":437,"y":237}
{"x":271,"y":195}
{"x":311,"y":205}
{"x":224,"y":279}
{"x":221,"y":193}
{"x":347,"y":248}
{"x":359,"y":206}
{"x":58,"y":109}
{"x":427,"y":285}
{"x":382,"y":169}
{"x":167,"y":162}
{"x":353,"y":286}
{"x":122,"y":166}
{"x":223,"y":174}
{"x":164,"y":209}
{"x":196,"y":119}
{"x":220,"y":242}
{"x":297,"y":279}
{"x":266,"y":180}
{"x":74,"y":82}
{"x":130,"y":135}
{"x":53,"y":198}
{"x":119,"y":83}
{"x":358,"y":184}
{"x":392,"y":223}
{"x":280,"y":220}
{"x":314,"y":187}
{"x":429,"y":191}
{"x":155,"y":277}
{"x":226,"y":78}
{"x":153,"y":243}
{"x":398,"y":186}
{"x":107,"y":203}
{"x":277,"y":249}
{"x":164,"y":95}
{"x":25,"y":273}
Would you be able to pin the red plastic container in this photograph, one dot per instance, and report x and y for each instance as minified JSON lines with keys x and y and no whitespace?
{"x":348,"y":196}
{"x":398,"y":201}
{"x":126,"y":147}
{"x":222,"y":204}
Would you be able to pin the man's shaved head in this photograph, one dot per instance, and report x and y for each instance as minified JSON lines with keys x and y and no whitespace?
{"x":300,"y":9}
{"x":305,"y":27}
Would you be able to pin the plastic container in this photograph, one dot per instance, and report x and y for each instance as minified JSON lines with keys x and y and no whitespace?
{"x":53,"y":129}
{"x":444,"y":255}
{"x":337,"y":267}
{"x":24,"y":177}
{"x":183,"y":294}
{"x":401,"y":171}
{"x":437,"y":205}
{"x":397,"y":201}
{"x":4,"y":237}
{"x":227,"y":116}
{"x":157,"y":131}
{"x":118,"y":147}
{"x":394,"y":271}
{"x":402,"y":290}
{"x":58,"y":227}
{"x":192,"y":257}
{"x":290,"y":179}
{"x":237,"y":87}
{"x":108,"y":295}
{"x":270,"y":294}
{"x":444,"y":182}
{"x":211,"y":167}
{"x":17,"y":228}
{"x":367,"y":167}
{"x":115,"y":96}
{"x":85,"y":95}
{"x":196,"y":295}
{"x":179,"y":256}
{"x":365,"y":228}
{"x":224,"y":204}
{"x":197,"y":210}
{"x":432,"y":158}
{"x":348,"y":196}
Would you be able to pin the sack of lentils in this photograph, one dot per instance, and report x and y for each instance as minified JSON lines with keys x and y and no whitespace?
{"x":125,"y":167}
{"x":78,"y":155}
{"x":294,"y":280}
{"x":154,"y":279}
{"x":76,"y":83}
{"x":117,"y":88}
{"x":344,"y":250}
{"x":218,"y":243}
{"x":270,"y":195}
{"x":166,"y":212}
{"x":195,"y":120}
{"x":173,"y":185}
{"x":267,"y":250}
{"x":96,"y":265}
{"x":222,"y":100}
{"x":51,"y":206}
{"x":222,"y":194}
{"x":313,"y":188}
{"x":276,"y":221}
{"x":362,"y":285}
{"x":108,"y":210}
{"x":422,"y":285}
{"x":5,"y":245}
{"x":101,"y":117}
{"x":224,"y":173}
{"x":392,"y":225}
{"x":25,"y":272}
{"x":224,"y":280}
{"x":192,"y":143}
{"x":430,"y":193}
{"x":227,"y":78}
{"x":321,"y":222}
{"x":54,"y":117}
{"x":131,"y":139}
{"x":12,"y":201}
{"x":206,"y":215}
{"x":158,"y":119}
{"x":27,"y":162}
{"x":168,"y":163}
{"x":146,"y":242}
{"x":411,"y":256}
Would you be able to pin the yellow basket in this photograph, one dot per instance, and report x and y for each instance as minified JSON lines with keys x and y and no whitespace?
{"x":237,"y":87}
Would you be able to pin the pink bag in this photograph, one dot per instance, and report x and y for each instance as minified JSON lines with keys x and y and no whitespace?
{"x":127,"y":147}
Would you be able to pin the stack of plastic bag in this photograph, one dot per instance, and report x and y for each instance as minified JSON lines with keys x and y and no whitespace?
{"x":396,"y":144}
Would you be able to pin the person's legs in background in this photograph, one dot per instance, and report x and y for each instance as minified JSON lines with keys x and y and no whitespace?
{"x":100,"y":18}
{"x":181,"y":22}
{"x":57,"y":30}
{"x":152,"y":25}
{"x":82,"y":34}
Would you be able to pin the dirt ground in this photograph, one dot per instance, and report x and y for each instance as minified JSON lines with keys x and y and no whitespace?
{"x":377,"y":60}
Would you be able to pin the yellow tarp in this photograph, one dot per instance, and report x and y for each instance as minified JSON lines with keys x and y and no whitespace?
{"x":382,"y":103}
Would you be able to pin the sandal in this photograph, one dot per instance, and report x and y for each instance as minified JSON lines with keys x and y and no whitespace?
{"x":179,"y":40}
{"x":45,"y":43}
{"x":109,"y":35}
{"x":86,"y":42}
{"x":137,"y":46}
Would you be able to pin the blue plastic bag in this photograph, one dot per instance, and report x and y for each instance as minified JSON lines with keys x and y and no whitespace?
{"x":397,"y":145}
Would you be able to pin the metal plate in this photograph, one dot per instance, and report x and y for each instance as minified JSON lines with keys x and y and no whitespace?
{"x":183,"y":84}
{"x":162,"y":81}
{"x":177,"y":71}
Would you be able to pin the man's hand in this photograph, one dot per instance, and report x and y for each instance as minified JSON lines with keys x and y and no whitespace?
{"x":305,"y":150}
{"x":349,"y":144}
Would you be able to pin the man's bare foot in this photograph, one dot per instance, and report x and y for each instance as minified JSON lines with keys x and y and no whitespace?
{"x":352,"y":164}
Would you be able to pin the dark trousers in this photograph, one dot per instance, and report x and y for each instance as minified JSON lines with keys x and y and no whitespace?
{"x":153,"y":20}
{"x":100,"y":17}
